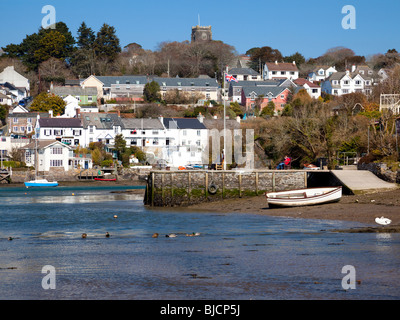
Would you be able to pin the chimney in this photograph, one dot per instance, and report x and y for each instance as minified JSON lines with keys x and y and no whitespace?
{"x":353,"y":68}
{"x":51,"y":113}
{"x":200,"y":117}
{"x":276,"y":61}
{"x":238,"y":119}
{"x":294,"y":62}
{"x":119,"y":113}
{"x":78,"y":112}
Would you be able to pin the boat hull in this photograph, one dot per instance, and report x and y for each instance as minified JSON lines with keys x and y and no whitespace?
{"x":304,"y":197}
{"x":41,"y":183}
{"x":99,"y":179}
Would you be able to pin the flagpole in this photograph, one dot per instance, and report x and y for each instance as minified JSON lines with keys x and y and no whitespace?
{"x":225,"y":121}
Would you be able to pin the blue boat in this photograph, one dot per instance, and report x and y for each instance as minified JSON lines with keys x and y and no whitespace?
{"x":41,"y":183}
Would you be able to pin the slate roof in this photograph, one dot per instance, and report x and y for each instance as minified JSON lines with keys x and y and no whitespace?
{"x":186,"y":82}
{"x":101,"y":120}
{"x":60,"y":123}
{"x":109,"y":80}
{"x":142,"y":123}
{"x":245,"y":71}
{"x":43,"y":144}
{"x":28,"y":115}
{"x":265,"y":91}
{"x":74,"y":91}
{"x":183,"y":123}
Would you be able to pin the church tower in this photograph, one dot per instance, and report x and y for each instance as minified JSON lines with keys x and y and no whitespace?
{"x":200,"y":33}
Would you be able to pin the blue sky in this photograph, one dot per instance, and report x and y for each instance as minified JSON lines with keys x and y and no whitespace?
{"x":310,"y":27}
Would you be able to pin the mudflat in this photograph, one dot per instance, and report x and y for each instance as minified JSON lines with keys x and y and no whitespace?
{"x":362,"y":208}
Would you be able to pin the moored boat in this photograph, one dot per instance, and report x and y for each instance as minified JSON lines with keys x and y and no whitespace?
{"x":103,"y":179}
{"x":304,"y":197}
{"x":40,"y":183}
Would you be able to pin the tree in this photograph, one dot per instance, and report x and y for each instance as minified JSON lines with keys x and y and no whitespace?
{"x":259,"y":56}
{"x":119,"y":145}
{"x":296,"y":57}
{"x":107,"y":44}
{"x":48,"y":101}
{"x":151,"y":92}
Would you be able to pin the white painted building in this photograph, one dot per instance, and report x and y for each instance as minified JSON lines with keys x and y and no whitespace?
{"x":66,"y":130}
{"x":17,"y":80}
{"x":100,"y":127}
{"x":186,"y":138}
{"x":321,"y":73}
{"x":51,"y":154}
{"x":346,"y":82}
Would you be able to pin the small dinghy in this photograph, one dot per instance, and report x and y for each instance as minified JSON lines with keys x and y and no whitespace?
{"x":304,"y":197}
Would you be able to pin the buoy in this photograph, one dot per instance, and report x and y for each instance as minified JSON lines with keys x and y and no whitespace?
{"x":73,"y":194}
{"x":115,"y":216}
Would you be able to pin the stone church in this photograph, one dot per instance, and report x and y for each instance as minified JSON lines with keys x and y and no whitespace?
{"x":200,"y":33}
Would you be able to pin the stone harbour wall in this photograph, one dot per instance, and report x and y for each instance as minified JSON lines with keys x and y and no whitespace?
{"x":183,"y":188}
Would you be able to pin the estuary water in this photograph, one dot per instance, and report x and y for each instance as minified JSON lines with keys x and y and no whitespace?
{"x":236,"y":256}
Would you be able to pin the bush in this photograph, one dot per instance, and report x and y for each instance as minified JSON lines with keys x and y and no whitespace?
{"x":106,"y":163}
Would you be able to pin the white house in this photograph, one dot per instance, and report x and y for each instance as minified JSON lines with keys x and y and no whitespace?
{"x":17,"y":80}
{"x":345,"y":82}
{"x":148,"y":134}
{"x":186,"y":140}
{"x":66,"y":130}
{"x":73,"y":108}
{"x":320,"y":73}
{"x":51,"y":154}
{"x":100,"y":127}
{"x":245,"y":74}
{"x":312,"y":89}
{"x":279,"y":70}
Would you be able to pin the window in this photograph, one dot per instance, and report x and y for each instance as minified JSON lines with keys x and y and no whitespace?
{"x":58,"y":132}
{"x":346,"y":82}
{"x":78,"y":98}
{"x":155,"y":141}
{"x":198,"y":133}
{"x":29,"y":120}
{"x":198,"y":142}
{"x":282,"y":96}
{"x":15,"y":129}
{"x":56,"y":150}
{"x":76,"y":132}
{"x":367,"y":83}
{"x":155,"y":132}
{"x":56,"y":163}
{"x":15,"y":120}
{"x":47,"y":132}
{"x":133,"y":142}
{"x":28,"y":156}
{"x":91,"y":129}
{"x":90,"y":98}
{"x":184,"y":132}
{"x":345,"y":91}
{"x":314,"y":90}
{"x":358,"y":82}
{"x":283,"y":72}
{"x":292,"y":73}
{"x":273,"y":72}
{"x":22,"y":129}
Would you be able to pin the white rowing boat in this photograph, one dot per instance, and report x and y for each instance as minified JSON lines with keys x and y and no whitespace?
{"x":304,"y":197}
